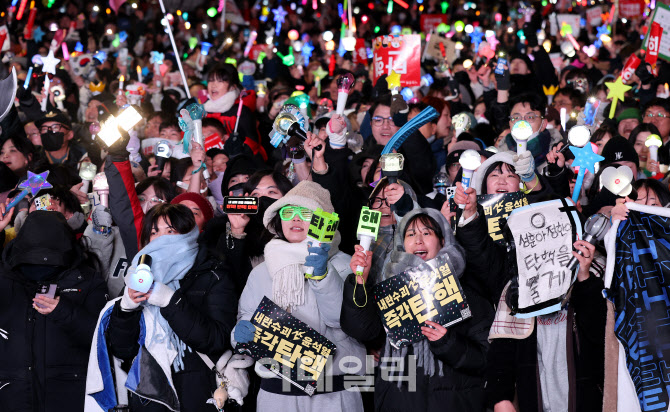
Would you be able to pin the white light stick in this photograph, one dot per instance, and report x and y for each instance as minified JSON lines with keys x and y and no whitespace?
{"x":470,"y":160}
{"x":521,"y":131}
{"x":109,"y":130}
{"x":47,"y":89}
{"x":121,"y":80}
{"x":653,"y":142}
{"x":250,"y":43}
{"x":461,"y":123}
{"x":101,"y":187}
{"x":564,"y":118}
{"x":344,"y":85}
{"x":87,"y":172}
{"x":174,"y":48}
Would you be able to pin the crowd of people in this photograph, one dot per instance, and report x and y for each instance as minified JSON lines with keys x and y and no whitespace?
{"x":153,"y":192}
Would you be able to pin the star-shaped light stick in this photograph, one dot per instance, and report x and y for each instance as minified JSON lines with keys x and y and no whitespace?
{"x":49,"y":64}
{"x":393,"y":81}
{"x":280,"y":16}
{"x":476,"y":38}
{"x":38,"y":34}
{"x":319,"y":74}
{"x":585,"y":159}
{"x":32,"y":185}
{"x":617,"y":91}
{"x":306,"y":52}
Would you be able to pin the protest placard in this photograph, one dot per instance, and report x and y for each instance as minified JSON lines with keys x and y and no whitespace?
{"x":543,"y":235}
{"x":439,"y":47}
{"x":497,"y":206}
{"x":401,"y":54}
{"x":429,"y":22}
{"x":430,"y":291}
{"x":662,"y":17}
{"x":557,"y":20}
{"x":300,"y":352}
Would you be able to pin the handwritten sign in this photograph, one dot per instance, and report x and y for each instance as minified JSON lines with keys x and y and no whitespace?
{"x":291,"y":349}
{"x":323,"y":226}
{"x":401,"y":54}
{"x":430,"y":291}
{"x":437,"y":45}
{"x":661,"y":16}
{"x":543,"y":234}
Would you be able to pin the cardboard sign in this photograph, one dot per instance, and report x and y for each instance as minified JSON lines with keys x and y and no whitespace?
{"x":245,"y":205}
{"x":496,"y":207}
{"x":661,"y":16}
{"x":360,"y":52}
{"x":368,"y":223}
{"x":594,"y":16}
{"x":631,"y":8}
{"x":429,"y":22}
{"x":557,"y":21}
{"x":430,"y":291}
{"x":401,"y":54}
{"x":287,"y":346}
{"x":543,"y":234}
{"x":323,"y":226}
{"x":436,"y":45}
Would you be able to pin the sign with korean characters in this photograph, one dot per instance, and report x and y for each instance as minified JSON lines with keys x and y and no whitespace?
{"x":557,"y":20}
{"x":323,"y":226}
{"x":430,"y":291}
{"x":287,"y":346}
{"x":429,"y":22}
{"x":360,"y":52}
{"x":401,"y":54}
{"x":631,"y":9}
{"x":499,"y":206}
{"x":368,"y":223}
{"x":543,"y":235}
{"x":439,"y":47}
{"x":661,"y":16}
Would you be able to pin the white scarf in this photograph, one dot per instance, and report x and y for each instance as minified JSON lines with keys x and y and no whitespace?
{"x":223,"y":103}
{"x":285,"y":262}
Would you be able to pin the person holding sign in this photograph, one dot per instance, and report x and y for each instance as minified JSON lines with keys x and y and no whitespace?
{"x":449,"y":360}
{"x":315,"y":301}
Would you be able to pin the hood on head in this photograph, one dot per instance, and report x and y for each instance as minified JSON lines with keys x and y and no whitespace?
{"x":478,"y":176}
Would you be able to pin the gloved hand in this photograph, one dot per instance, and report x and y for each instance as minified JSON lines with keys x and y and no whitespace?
{"x":643,"y":74}
{"x":530,"y":33}
{"x":399,"y":110}
{"x":133,"y":146}
{"x":503,"y":81}
{"x":524,"y":165}
{"x":244,"y":331}
{"x":234,"y":145}
{"x":318,"y":259}
{"x":160,"y":295}
{"x":127,"y":304}
{"x":102,"y":218}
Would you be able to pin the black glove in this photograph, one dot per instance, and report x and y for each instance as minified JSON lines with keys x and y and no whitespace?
{"x":234,"y":145}
{"x":24,"y":95}
{"x":531,"y":35}
{"x":503,"y":81}
{"x":399,"y":110}
{"x":643,"y":74}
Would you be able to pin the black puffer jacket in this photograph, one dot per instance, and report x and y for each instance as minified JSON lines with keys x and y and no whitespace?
{"x":43,"y":359}
{"x":202,"y":312}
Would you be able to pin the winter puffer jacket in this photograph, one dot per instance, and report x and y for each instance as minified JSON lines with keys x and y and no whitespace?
{"x":43,"y":358}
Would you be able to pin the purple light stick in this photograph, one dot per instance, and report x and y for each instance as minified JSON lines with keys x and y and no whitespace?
{"x":33,"y":185}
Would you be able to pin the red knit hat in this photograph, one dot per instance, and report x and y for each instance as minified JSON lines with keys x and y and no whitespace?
{"x":203,"y":204}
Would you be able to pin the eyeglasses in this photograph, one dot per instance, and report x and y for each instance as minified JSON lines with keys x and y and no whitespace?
{"x":378,"y":120}
{"x":289,"y":212}
{"x":378,"y":202}
{"x":154,"y":200}
{"x":531,"y":117}
{"x":54,"y":128}
{"x":652,"y":115}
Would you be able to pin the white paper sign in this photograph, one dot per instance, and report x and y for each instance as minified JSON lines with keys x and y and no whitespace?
{"x":594,"y":16}
{"x":557,"y":20}
{"x":543,"y":235}
{"x":662,"y":17}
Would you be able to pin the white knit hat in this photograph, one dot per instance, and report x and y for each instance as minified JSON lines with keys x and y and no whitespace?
{"x":306,"y":194}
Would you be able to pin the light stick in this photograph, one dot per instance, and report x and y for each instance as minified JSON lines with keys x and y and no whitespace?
{"x":617,"y":91}
{"x":521,"y":131}
{"x":139,"y":74}
{"x":121,"y":80}
{"x":322,"y":229}
{"x":344,"y":85}
{"x":87,"y":172}
{"x":26,"y":83}
{"x":250,"y":42}
{"x":109,"y":130}
{"x":470,"y":160}
{"x":368,"y":229}
{"x":653,"y":142}
{"x":585,"y":159}
{"x":176,"y":52}
{"x":33,"y":185}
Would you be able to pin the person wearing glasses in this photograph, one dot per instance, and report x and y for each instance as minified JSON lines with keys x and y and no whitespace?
{"x":531,"y":108}
{"x":56,"y":135}
{"x":314,"y":299}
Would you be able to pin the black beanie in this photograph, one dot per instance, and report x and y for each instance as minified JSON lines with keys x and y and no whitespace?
{"x":619,"y":149}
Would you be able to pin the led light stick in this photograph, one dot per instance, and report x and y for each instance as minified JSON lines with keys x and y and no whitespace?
{"x":163,"y":152}
{"x":48,"y":66}
{"x":461,"y":122}
{"x":392,"y":165}
{"x":87,"y":172}
{"x":428,"y":114}
{"x":190,"y":122}
{"x":121,"y":80}
{"x":139,"y":74}
{"x":109,"y":130}
{"x":617,"y":91}
{"x":618,"y":181}
{"x":26,"y":83}
{"x":470,"y":160}
{"x":653,"y":142}
{"x":368,"y":229}
{"x":250,"y":42}
{"x":176,"y":52}
{"x":344,"y":85}
{"x":32,"y":185}
{"x":66,"y":52}
{"x":521,"y":131}
{"x":595,"y":229}
{"x":101,"y":187}
{"x":564,"y":118}
{"x":322,"y":229}
{"x":28,"y":31}
{"x":578,"y":136}
{"x":585,"y":159}
{"x":590,"y":110}
{"x":287,"y":117}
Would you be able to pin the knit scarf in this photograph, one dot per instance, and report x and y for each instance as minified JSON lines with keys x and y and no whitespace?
{"x":285,"y":262}
{"x":172,"y":257}
{"x":223,"y":103}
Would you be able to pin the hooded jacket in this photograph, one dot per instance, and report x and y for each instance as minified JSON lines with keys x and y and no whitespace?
{"x":461,"y":352}
{"x":43,"y":358}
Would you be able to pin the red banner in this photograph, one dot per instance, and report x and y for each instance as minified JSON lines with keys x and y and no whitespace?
{"x":401,"y":54}
{"x":360,"y":52}
{"x":653,"y":43}
{"x":631,"y":8}
{"x":429,"y":22}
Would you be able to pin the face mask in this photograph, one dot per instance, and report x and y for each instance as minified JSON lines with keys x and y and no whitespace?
{"x":184,"y":186}
{"x":483,"y":120}
{"x":264,"y":203}
{"x":38,"y":272}
{"x":215,"y":188}
{"x":52,"y":141}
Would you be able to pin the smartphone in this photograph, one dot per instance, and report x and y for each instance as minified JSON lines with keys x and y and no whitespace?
{"x":48,"y":290}
{"x":43,"y":202}
{"x":502,"y":62}
{"x":246,"y":205}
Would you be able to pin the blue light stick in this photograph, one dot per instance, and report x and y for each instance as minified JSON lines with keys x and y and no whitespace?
{"x":428,"y":114}
{"x":586,"y":159}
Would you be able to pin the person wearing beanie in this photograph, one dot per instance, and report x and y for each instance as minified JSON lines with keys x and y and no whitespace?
{"x":237,"y":172}
{"x":618,"y":149}
{"x":315,"y":299}
{"x":201,"y":208}
{"x":627,"y":120}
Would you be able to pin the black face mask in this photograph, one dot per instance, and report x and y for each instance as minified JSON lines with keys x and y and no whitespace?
{"x":264,"y":203}
{"x":38,"y":272}
{"x":52,"y":141}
